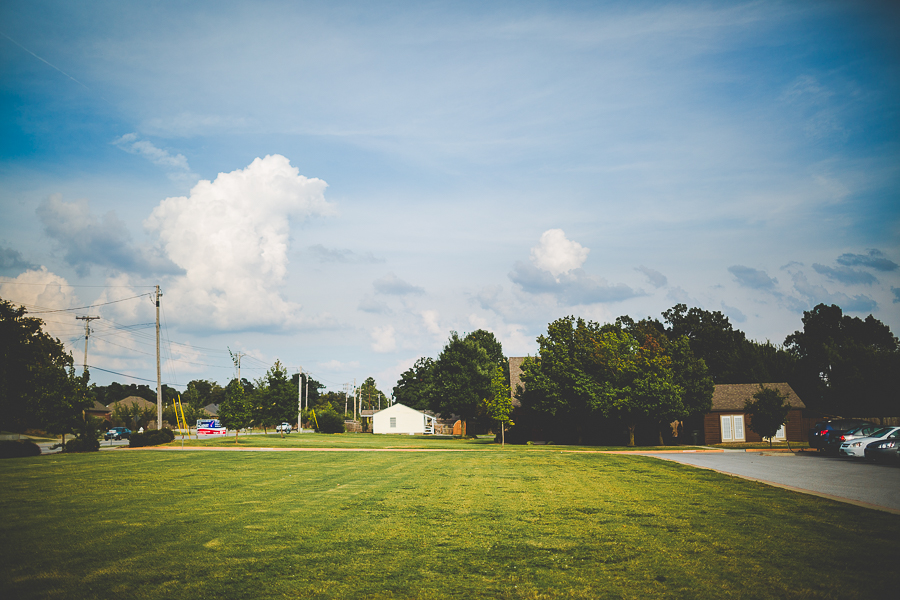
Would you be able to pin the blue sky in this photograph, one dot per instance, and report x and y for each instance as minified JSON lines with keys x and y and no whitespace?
{"x":340,"y":185}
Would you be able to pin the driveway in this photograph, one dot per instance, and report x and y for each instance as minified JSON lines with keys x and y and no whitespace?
{"x":842,"y":479}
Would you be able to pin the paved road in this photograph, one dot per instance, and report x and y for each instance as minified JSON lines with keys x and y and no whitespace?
{"x":842,"y":479}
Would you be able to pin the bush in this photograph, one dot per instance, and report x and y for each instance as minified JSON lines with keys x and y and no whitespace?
{"x":329,"y":422}
{"x":79,"y":445}
{"x":88,"y":439}
{"x":18,"y":449}
{"x":156,"y":437}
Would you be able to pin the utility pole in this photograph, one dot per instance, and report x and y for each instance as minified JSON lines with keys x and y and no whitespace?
{"x":87,"y":333}
{"x":300,"y":400}
{"x":346,"y":395}
{"x":355,"y":397}
{"x":158,"y":369}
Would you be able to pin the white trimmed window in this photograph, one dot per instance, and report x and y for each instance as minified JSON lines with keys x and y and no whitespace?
{"x":732,"y":428}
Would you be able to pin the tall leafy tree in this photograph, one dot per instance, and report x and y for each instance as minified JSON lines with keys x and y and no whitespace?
{"x":461,"y":377}
{"x":846,"y":365}
{"x":38,"y":384}
{"x":498,"y":406}
{"x":564,"y":383}
{"x":768,"y":411}
{"x":711,"y":338}
{"x":277,"y":397}
{"x":414,"y":388}
{"x":235,"y":411}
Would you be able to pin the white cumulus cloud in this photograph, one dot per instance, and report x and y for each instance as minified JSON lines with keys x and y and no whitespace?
{"x":231,"y":238}
{"x":383,"y":339}
{"x":557,"y":254}
{"x":41,"y":290}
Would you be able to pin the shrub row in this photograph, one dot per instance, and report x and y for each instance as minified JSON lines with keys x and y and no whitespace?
{"x":151,"y":438}
{"x":83,"y":445}
{"x":18,"y":449}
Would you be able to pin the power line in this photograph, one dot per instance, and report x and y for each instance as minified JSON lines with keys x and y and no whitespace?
{"x":41,"y":312}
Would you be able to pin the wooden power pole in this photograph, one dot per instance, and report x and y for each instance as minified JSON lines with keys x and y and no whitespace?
{"x":158,"y":369}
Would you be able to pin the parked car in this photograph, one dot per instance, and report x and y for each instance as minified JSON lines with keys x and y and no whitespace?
{"x":856,"y":448}
{"x":283,"y":428}
{"x":886,"y":450}
{"x":821,"y":431}
{"x":835,"y":440}
{"x":117,"y":433}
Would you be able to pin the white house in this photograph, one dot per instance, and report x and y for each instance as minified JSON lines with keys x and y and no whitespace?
{"x":399,"y":418}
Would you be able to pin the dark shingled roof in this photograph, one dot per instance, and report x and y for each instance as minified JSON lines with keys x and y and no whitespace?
{"x":142,"y":402}
{"x":733,"y":396}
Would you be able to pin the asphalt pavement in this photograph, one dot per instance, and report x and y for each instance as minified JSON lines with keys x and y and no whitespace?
{"x":843,"y":479}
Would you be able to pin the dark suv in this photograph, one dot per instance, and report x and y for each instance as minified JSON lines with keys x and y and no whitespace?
{"x":117,"y":433}
{"x":824,"y":432}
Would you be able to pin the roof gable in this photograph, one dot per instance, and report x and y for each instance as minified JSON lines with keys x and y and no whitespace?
{"x":141,"y":402}
{"x":733,"y":396}
{"x":398,"y":408}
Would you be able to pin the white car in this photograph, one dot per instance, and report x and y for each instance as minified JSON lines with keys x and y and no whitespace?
{"x":856,"y":448}
{"x":283,"y":428}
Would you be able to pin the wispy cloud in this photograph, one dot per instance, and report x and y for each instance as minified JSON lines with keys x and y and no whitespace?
{"x":339,"y":255}
{"x":752,"y":278}
{"x":655,"y":278}
{"x":817,"y":294}
{"x":874,"y":259}
{"x":176,"y":164}
{"x":392,"y":285}
{"x":845,"y":275}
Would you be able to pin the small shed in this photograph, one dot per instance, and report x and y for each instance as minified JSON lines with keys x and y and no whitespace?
{"x":399,"y":418}
{"x":728,"y":423}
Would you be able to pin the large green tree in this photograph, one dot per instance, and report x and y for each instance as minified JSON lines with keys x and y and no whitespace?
{"x":235,"y":411}
{"x":414,"y":388}
{"x":768,"y":411}
{"x":38,"y":384}
{"x":846,"y":365}
{"x":498,"y":405}
{"x":586,"y":372}
{"x":462,"y":376}
{"x":274,"y":398}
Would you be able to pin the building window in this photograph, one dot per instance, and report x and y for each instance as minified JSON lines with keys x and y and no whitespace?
{"x":732,"y":428}
{"x":393,"y":422}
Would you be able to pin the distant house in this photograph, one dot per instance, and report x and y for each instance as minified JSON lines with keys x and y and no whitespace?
{"x":212,"y":410}
{"x":727,"y":422}
{"x":141,"y":402}
{"x":99,"y":411}
{"x":399,"y":418}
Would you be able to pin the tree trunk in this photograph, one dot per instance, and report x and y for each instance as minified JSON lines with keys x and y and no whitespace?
{"x":235,"y":435}
{"x":631,"y":435}
{"x":502,"y":435}
{"x":662,"y":442}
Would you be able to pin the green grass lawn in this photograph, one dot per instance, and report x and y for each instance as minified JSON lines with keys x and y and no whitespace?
{"x":511,"y":523}
{"x":370,"y":441}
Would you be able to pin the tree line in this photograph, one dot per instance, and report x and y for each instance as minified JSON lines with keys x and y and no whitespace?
{"x":591,"y":382}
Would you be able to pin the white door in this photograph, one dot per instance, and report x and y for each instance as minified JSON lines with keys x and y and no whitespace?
{"x":738,"y":428}
{"x":726,"y":428}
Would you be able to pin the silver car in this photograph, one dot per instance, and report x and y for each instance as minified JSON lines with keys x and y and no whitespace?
{"x":856,"y":448}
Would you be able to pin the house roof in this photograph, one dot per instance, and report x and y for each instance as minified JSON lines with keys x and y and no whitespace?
{"x":142,"y":402}
{"x":98,"y":407}
{"x":733,"y":396}
{"x":212,"y":410}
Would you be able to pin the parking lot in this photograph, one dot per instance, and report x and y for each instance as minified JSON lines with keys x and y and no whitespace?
{"x":847,"y":480}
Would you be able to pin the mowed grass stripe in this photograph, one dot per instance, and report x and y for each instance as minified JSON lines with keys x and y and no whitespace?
{"x":516,"y":523}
